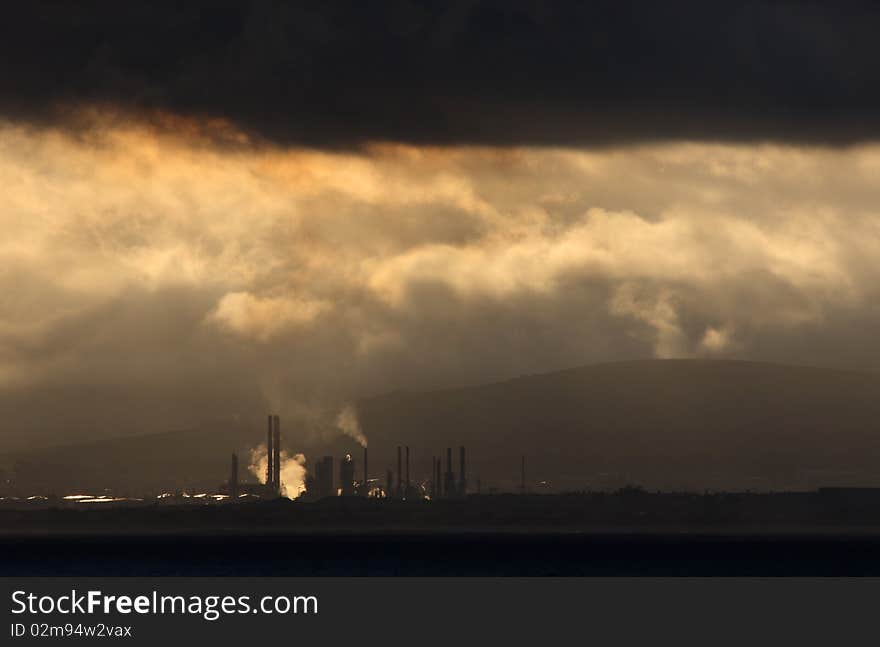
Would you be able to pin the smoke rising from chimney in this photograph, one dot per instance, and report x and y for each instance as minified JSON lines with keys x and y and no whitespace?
{"x":347,"y":422}
{"x":293,"y":470}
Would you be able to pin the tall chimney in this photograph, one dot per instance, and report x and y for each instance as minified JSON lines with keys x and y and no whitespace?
{"x":399,"y":474}
{"x":366,"y":475}
{"x":276,"y":456}
{"x":523,"y":475}
{"x":462,"y":482}
{"x":270,"y":455}
{"x":407,"y":471}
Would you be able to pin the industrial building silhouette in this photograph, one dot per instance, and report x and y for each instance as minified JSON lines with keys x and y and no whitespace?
{"x":320,"y":482}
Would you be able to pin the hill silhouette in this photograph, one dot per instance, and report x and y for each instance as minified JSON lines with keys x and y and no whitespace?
{"x":664,"y":424}
{"x":186,"y":459}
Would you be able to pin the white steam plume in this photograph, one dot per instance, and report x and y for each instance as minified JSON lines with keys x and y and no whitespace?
{"x":347,"y":421}
{"x":293,"y":470}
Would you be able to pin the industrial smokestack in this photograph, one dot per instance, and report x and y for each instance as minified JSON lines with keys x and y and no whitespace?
{"x":276,"y":456}
{"x":462,"y":482}
{"x":406,"y":492}
{"x":366,"y":475}
{"x":270,"y":455}
{"x":399,"y":474}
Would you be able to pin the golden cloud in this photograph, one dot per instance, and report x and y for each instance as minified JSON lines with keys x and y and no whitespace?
{"x":680,"y":248}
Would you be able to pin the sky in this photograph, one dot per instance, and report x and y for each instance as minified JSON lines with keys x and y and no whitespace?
{"x":214,"y":209}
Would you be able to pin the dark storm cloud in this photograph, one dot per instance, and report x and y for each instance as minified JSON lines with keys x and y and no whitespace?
{"x":505,"y":72}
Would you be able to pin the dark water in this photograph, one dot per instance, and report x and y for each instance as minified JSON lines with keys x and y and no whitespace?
{"x":444,"y":555}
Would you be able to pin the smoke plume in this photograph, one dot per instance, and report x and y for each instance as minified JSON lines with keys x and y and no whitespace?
{"x":347,"y":421}
{"x":293,"y":470}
